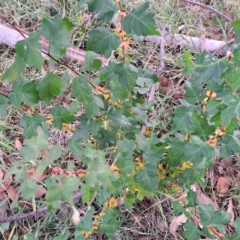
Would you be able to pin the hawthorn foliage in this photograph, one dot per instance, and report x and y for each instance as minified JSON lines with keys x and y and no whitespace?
{"x":120,"y":164}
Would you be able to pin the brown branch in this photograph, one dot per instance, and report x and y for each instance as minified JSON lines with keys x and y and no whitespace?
{"x":40,"y":211}
{"x":20,"y":32}
{"x":209,"y":8}
{"x":46,"y":53}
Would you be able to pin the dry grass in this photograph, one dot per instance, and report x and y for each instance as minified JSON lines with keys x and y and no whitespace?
{"x":149,"y":218}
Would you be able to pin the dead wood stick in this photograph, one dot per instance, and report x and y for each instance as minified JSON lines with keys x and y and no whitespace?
{"x":10,"y":37}
{"x":39,"y":212}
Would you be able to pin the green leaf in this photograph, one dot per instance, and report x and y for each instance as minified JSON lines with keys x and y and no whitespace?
{"x":53,"y":193}
{"x":108,"y":73}
{"x":193,"y":91}
{"x":236,"y":27}
{"x":91,"y":63}
{"x":232,"y":78}
{"x":140,"y":115}
{"x":87,"y":192}
{"x":232,"y":141}
{"x":129,"y":200}
{"x":126,"y":165}
{"x":104,"y":8}
{"x":12,"y":72}
{"x":38,"y":142}
{"x":209,"y":67}
{"x":191,"y":231}
{"x":147,"y":178}
{"x":103,"y":40}
{"x":118,"y":119}
{"x":30,"y":50}
{"x":49,"y":87}
{"x":236,"y":236}
{"x":24,"y":92}
{"x":30,"y":124}
{"x":60,"y":116}
{"x":3,"y":106}
{"x":118,"y":92}
{"x":140,"y":22}
{"x":109,"y":223}
{"x":91,"y":108}
{"x":127,"y":75}
{"x":126,"y":147}
{"x":86,"y":127}
{"x":196,"y":150}
{"x":105,"y":138}
{"x":182,"y":118}
{"x":54,"y":153}
{"x":206,"y":213}
{"x":28,"y":188}
{"x":200,"y":127}
{"x":81,"y":89}
{"x":100,"y":172}
{"x":176,"y":152}
{"x":233,"y":109}
{"x":58,"y":32}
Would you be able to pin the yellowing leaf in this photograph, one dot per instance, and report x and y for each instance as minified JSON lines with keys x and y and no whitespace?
{"x":115,"y":169}
{"x":125,"y":43}
{"x":80,"y":172}
{"x":111,"y":203}
{"x":187,"y":137}
{"x":49,"y":119}
{"x":65,"y":127}
{"x":106,"y":96}
{"x":148,"y":132}
{"x":220,"y":131}
{"x":212,"y":141}
{"x":119,"y":32}
{"x":211,"y":94}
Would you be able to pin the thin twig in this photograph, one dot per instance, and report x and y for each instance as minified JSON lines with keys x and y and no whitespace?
{"x":159,"y":72}
{"x":209,"y":8}
{"x":40,"y":211}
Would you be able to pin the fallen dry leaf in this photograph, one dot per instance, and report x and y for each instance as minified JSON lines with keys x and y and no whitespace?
{"x":4,"y":207}
{"x":230,"y":210}
{"x":40,"y":191}
{"x":6,"y":182}
{"x":18,"y":144}
{"x":212,"y":177}
{"x":13,"y":193}
{"x":222,"y":185}
{"x":177,"y":221}
{"x":34,"y":175}
{"x":75,"y":216}
{"x":202,"y":198}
